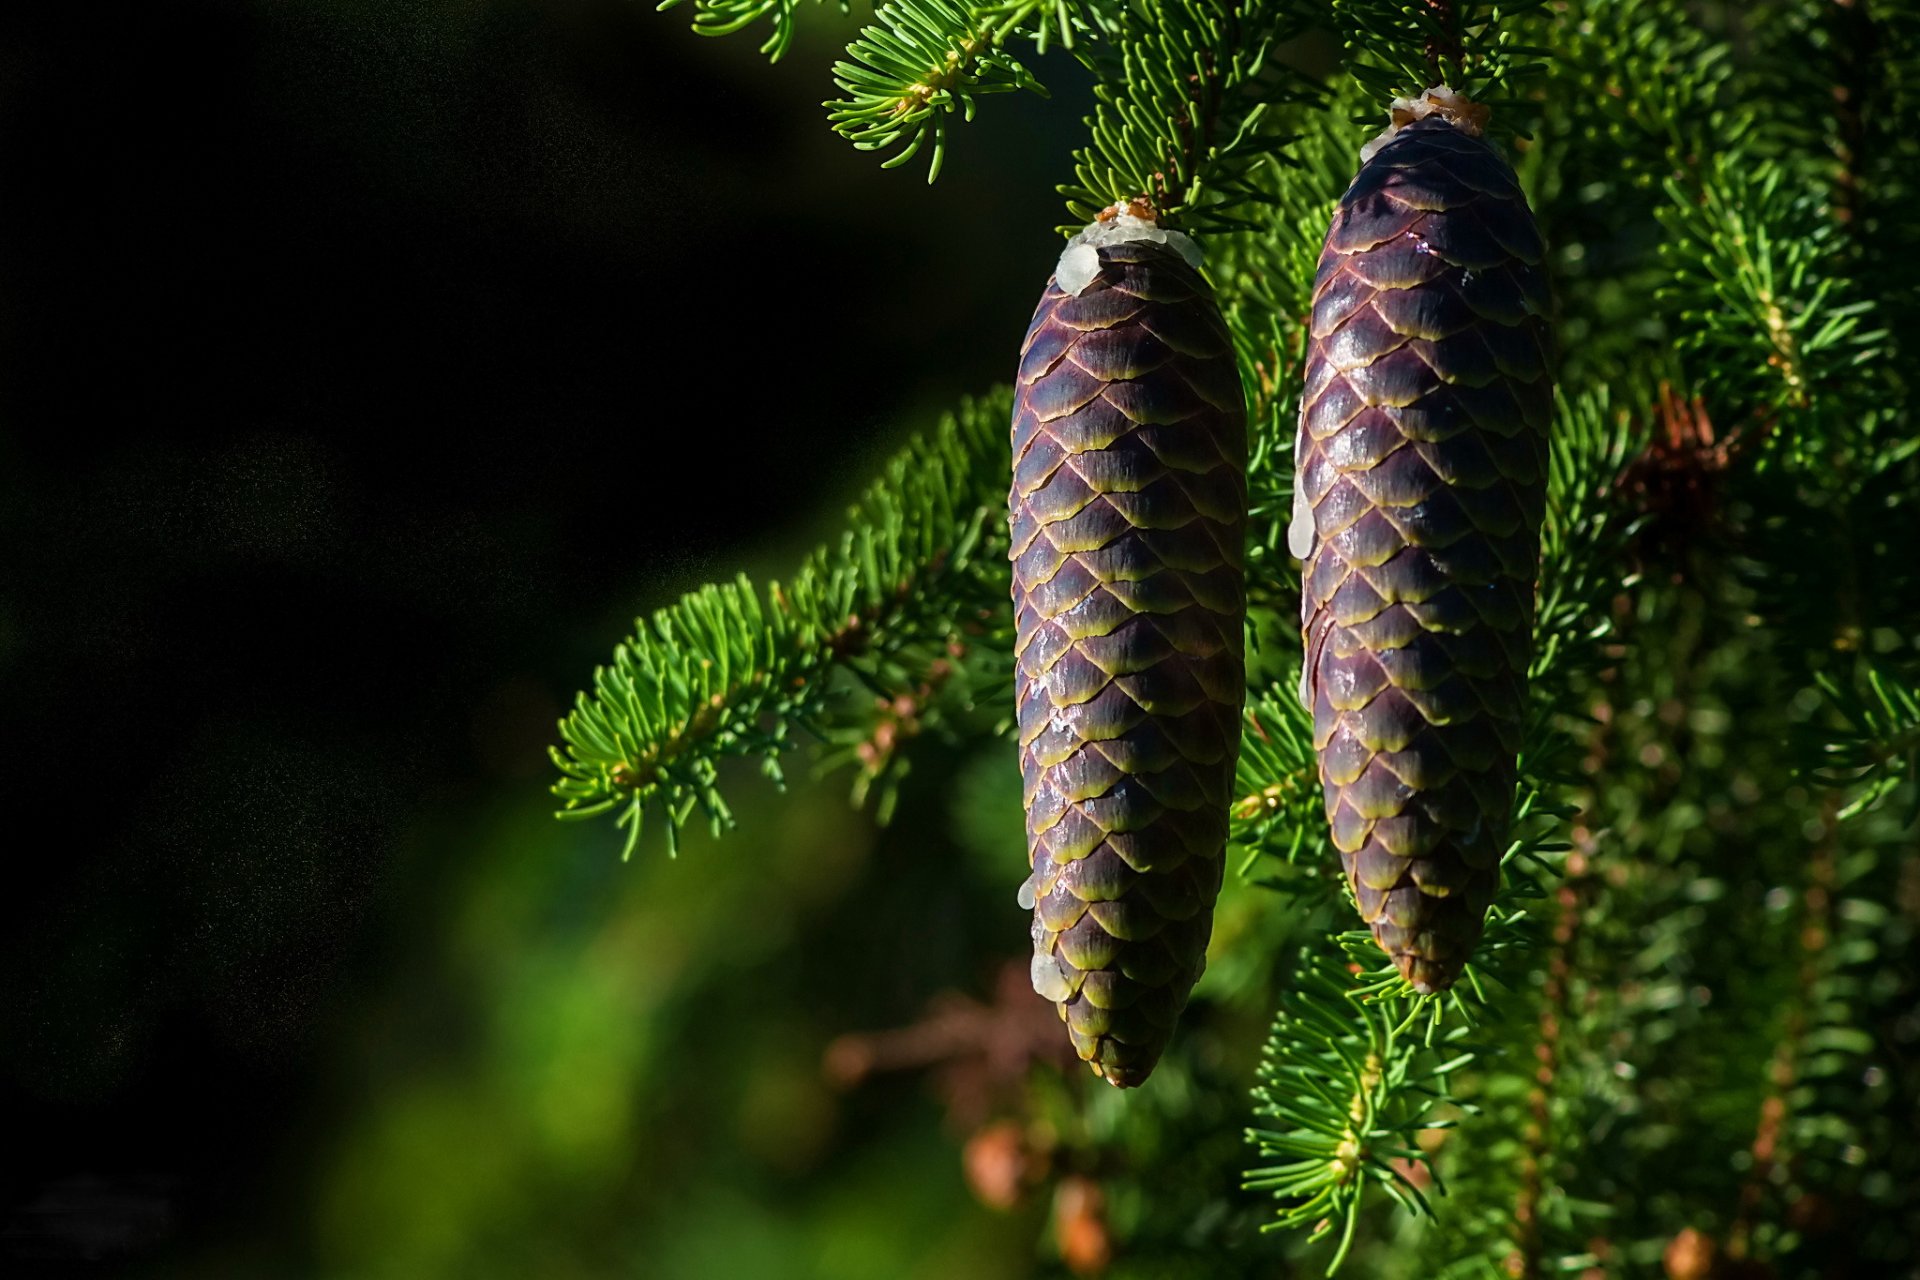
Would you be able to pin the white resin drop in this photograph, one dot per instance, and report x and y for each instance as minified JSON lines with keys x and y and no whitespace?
{"x":1080,"y":260}
{"x":1079,"y":264}
{"x":1456,"y":109}
{"x":1300,"y":528}
{"x":1025,"y":896}
{"x":1048,"y":982}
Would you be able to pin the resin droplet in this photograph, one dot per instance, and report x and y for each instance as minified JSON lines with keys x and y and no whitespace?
{"x":1048,"y":982}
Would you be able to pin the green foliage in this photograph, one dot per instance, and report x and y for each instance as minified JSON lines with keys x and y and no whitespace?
{"x":894,"y":610}
{"x":1692,"y":1006}
{"x":922,"y":61}
{"x":1876,"y":750}
{"x":1743,"y":251}
{"x":1352,"y":1089}
{"x":1396,"y":48}
{"x":724,"y":17}
{"x":1189,"y":92}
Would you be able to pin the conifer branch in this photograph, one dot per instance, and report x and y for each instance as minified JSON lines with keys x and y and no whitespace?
{"x":1888,"y":161}
{"x":1279,"y":777}
{"x":905,"y":596}
{"x":1852,"y":38}
{"x":1770,"y":329}
{"x":1188,"y":98}
{"x":1876,"y":748}
{"x":1537,"y":1145}
{"x":724,"y":17}
{"x":1397,"y":49}
{"x":1769,"y":1149}
{"x":1652,"y":84}
{"x":1443,"y":42}
{"x":1700,"y":235}
{"x":921,"y":61}
{"x":1350,"y":1091}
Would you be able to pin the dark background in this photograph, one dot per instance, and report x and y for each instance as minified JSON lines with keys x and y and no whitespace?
{"x":364,"y":367}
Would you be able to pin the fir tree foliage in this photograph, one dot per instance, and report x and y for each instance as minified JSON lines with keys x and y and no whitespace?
{"x":876,"y":636}
{"x":1691,"y":1011}
{"x":724,"y":17}
{"x":1188,"y":96}
{"x":1398,"y":49}
{"x":922,"y":61}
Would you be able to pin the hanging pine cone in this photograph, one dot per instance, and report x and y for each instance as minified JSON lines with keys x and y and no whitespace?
{"x":1128,"y":511}
{"x":1422,"y":482}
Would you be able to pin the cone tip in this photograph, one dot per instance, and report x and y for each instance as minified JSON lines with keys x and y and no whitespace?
{"x":1426,"y":976}
{"x":1079,"y":263}
{"x":1464,"y":114}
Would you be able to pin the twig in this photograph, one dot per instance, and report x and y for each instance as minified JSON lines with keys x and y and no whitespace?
{"x":1555,"y":1006}
{"x":1783,"y":1068}
{"x":1853,"y":45}
{"x":1446,"y":45}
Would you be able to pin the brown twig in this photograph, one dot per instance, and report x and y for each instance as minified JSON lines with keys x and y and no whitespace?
{"x":1446,"y":45}
{"x":1853,"y":47}
{"x":1524,"y":1263}
{"x":980,"y":1053}
{"x":1783,"y":1068}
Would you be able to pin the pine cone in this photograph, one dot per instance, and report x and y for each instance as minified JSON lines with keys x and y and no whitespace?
{"x":1422,"y":483}
{"x":1128,"y":514}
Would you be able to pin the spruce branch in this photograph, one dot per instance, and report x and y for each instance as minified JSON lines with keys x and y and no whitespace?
{"x":1396,"y":49}
{"x":1876,"y":748}
{"x":1443,"y":42}
{"x":1847,"y":33}
{"x":921,"y":61}
{"x":1188,"y":96}
{"x":1279,"y":809}
{"x":1348,"y":1092}
{"x":1538,"y":1146}
{"x":1649,"y":84}
{"x":1769,"y":1150}
{"x":724,"y":17}
{"x":1586,"y":529}
{"x":733,"y":670}
{"x":1710,"y":929}
{"x":1887,"y":162}
{"x":1771,"y":329}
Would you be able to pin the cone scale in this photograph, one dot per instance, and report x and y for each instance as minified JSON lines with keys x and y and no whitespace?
{"x":1422,"y":460}
{"x":1127,"y":514}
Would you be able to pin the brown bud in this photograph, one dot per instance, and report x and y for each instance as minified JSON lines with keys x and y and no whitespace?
{"x":1080,"y":1226}
{"x":997,"y":1164}
{"x":1689,"y":1255}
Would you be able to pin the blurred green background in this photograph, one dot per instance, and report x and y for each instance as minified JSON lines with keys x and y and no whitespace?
{"x":366,"y":366}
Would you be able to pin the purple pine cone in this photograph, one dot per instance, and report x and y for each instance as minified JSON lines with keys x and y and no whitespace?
{"x":1128,"y":513}
{"x":1422,"y":483}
